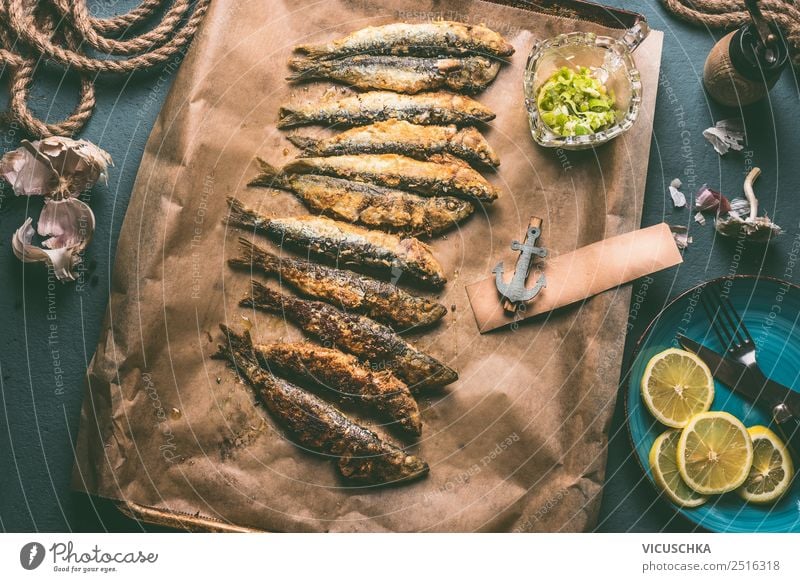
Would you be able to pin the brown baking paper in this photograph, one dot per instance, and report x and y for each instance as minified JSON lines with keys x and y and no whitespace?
{"x":580,"y":274}
{"x":518,"y":443}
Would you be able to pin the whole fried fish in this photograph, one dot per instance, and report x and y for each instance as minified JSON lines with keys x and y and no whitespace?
{"x":346,"y":244}
{"x":356,"y":334}
{"x":348,"y":290}
{"x":401,"y":137}
{"x":368,"y":204}
{"x":425,"y":38}
{"x":316,"y":424}
{"x":447,"y":176}
{"x":401,"y":74}
{"x":438,"y":108}
{"x":346,"y":379}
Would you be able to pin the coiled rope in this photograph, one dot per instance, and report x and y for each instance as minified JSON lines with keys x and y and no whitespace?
{"x":57,"y":31}
{"x":732,"y":13}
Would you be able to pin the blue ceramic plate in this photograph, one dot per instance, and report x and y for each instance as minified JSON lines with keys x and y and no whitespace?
{"x":771,"y":312}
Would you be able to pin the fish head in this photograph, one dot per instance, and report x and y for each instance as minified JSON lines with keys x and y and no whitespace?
{"x":456,"y":208}
{"x":472,"y":140}
{"x":390,"y":467}
{"x":411,"y":468}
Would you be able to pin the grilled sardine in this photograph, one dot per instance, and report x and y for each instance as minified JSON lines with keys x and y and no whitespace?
{"x":316,"y":424}
{"x":356,"y":334}
{"x":347,"y":380}
{"x":347,"y":290}
{"x":346,"y":244}
{"x":401,"y":137}
{"x":368,"y":204}
{"x":447,"y":176}
{"x":425,"y":38}
{"x":401,"y":74}
{"x":424,"y":108}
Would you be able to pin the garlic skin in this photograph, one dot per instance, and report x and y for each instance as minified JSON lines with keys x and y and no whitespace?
{"x":726,"y":135}
{"x":58,"y":168}
{"x":54,"y":166}
{"x":709,"y":199}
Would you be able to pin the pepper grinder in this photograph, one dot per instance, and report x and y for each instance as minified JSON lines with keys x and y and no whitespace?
{"x":745,"y":64}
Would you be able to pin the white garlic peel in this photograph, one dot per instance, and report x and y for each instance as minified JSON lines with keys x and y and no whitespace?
{"x":59,"y":169}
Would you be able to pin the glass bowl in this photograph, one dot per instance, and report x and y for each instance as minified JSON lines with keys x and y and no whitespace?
{"x":612,"y":62}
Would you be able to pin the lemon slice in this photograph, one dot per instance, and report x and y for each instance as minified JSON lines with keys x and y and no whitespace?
{"x":664,"y":465}
{"x":714,"y":453}
{"x":772,"y":470}
{"x":676,"y":385}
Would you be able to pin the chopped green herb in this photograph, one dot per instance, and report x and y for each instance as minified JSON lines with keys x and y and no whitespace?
{"x":574,"y":102}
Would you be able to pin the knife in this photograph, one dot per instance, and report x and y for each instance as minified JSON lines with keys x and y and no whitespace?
{"x":781,"y":402}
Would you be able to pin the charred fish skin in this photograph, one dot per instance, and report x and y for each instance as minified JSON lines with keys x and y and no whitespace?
{"x":344,"y":377}
{"x":348,"y":290}
{"x":436,"y":108}
{"x":346,"y":244}
{"x":401,"y":74}
{"x":356,"y":334}
{"x":404,"y":138}
{"x":363,"y":456}
{"x":446,"y":176}
{"x":370,"y":205}
{"x":426,"y":38}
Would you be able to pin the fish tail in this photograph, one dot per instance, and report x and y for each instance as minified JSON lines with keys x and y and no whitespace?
{"x":252,"y":255}
{"x":290,"y":118}
{"x":305,"y":143}
{"x":304,"y":70}
{"x":263,"y":297}
{"x":312,"y":51}
{"x":268,"y":176}
{"x":237,"y":349}
{"x":240,"y":215}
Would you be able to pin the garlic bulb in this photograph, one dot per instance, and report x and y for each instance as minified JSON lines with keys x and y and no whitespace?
{"x":60,"y":169}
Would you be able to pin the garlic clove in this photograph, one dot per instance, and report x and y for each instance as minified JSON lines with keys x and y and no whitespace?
{"x":70,"y":225}
{"x":66,"y":222}
{"x":55,"y":166}
{"x":28,"y":174}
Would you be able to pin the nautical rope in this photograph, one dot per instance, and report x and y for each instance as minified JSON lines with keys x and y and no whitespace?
{"x":32,"y":32}
{"x":732,"y":13}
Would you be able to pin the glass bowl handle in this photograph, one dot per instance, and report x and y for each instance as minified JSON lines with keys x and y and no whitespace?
{"x":634,"y":36}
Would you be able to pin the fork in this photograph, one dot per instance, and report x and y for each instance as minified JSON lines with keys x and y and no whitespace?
{"x":729,"y":328}
{"x":738,"y":345}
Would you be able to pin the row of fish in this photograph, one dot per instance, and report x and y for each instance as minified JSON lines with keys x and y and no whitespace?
{"x":395,"y":136}
{"x":359,"y":335}
{"x":344,"y":244}
{"x":389,"y":192}
{"x":348,"y":290}
{"x":401,"y":74}
{"x":434,"y":108}
{"x":405,"y":166}
{"x":408,"y":58}
{"x":317,"y":424}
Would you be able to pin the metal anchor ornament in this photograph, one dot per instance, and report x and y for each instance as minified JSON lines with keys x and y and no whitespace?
{"x":515,"y":292}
